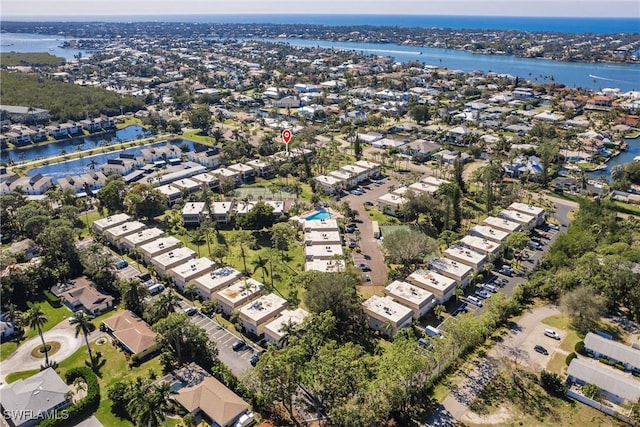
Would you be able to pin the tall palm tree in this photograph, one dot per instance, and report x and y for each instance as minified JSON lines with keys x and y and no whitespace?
{"x":133,"y":293}
{"x":166,"y":304}
{"x":261,"y":264}
{"x":35,"y":318}
{"x":244,"y":239}
{"x":83,"y":326}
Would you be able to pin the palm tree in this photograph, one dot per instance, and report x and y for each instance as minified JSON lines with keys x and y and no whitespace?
{"x":133,"y":293}
{"x":190,"y":291}
{"x":261,"y":264}
{"x":35,"y":318}
{"x":296,"y":189}
{"x":83,"y":326}
{"x":166,"y":304}
{"x":244,"y":239}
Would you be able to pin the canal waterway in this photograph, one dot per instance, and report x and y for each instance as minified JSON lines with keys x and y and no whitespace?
{"x":13,"y":42}
{"x":68,"y":146}
{"x":624,"y":157}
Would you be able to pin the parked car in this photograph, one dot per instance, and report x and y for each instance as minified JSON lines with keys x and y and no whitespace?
{"x":490,"y":288}
{"x":507,"y":271}
{"x":554,"y":227}
{"x":462,"y":309}
{"x":368,"y":203}
{"x":121,"y":264}
{"x":255,"y":358}
{"x":364,"y":267}
{"x":356,"y":192}
{"x":190,"y":311}
{"x":535,"y":245}
{"x":352,"y":243}
{"x":474,"y":300}
{"x":540,"y":349}
{"x":551,"y":334}
{"x":238,"y":345}
{"x":481,"y":293}
{"x":350,"y":228}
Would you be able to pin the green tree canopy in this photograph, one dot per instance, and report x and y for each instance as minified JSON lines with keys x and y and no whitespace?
{"x":144,"y":201}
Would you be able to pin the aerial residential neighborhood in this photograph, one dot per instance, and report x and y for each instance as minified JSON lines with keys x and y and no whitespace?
{"x":201,"y":229}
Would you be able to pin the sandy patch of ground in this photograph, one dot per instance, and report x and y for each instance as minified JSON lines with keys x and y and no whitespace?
{"x":501,"y":416}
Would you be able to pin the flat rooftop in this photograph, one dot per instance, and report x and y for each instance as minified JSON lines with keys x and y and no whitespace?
{"x":489,"y":233}
{"x":187,"y":184}
{"x":193,"y":268}
{"x":325,"y":265}
{"x":206,"y":178}
{"x":366,"y":164}
{"x":220,"y":208}
{"x":386,"y":308}
{"x":143,"y":236}
{"x":422,"y":187}
{"x":431,"y":279}
{"x":218,"y":279}
{"x":454,"y":268}
{"x":193,"y":208}
{"x":287,"y":317}
{"x":174,"y":256}
{"x":502,"y":224}
{"x":527,"y":209}
{"x":263,"y":308}
{"x":160,"y":245}
{"x":466,"y":254}
{"x":432,"y":180}
{"x":480,"y":244}
{"x":320,"y":237}
{"x":322,"y":251}
{"x":111,"y":221}
{"x":515,"y":216}
{"x":392,"y":199}
{"x":241,"y":290}
{"x":328,"y":180}
{"x":408,"y":292}
{"x":125,"y":229}
{"x":321,"y":225}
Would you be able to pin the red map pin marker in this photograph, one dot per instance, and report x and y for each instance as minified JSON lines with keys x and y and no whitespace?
{"x":286,"y":136}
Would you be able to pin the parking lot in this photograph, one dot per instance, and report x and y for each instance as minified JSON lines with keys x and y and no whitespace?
{"x":237,"y":361}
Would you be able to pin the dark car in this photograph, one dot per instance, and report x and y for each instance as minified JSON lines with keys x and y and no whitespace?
{"x":255,"y":358}
{"x":540,"y":349}
{"x":364,"y":267}
{"x":462,"y":309}
{"x":121,"y":264}
{"x":238,"y":345}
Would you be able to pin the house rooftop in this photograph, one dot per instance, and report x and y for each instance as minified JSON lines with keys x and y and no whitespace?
{"x":461,"y":253}
{"x":321,"y":225}
{"x":502,"y":224}
{"x":111,"y":221}
{"x":431,"y":279}
{"x":287,"y":317}
{"x":160,"y":245}
{"x":193,"y":268}
{"x":480,"y":244}
{"x":218,"y":279}
{"x":612,"y":349}
{"x":143,"y":236}
{"x":323,"y":251}
{"x":387,"y":308}
{"x":605,"y":378}
{"x":133,"y":332}
{"x":241,"y":290}
{"x":516,"y":216}
{"x":193,"y":208}
{"x":263,"y":308}
{"x":449,"y":266}
{"x":124,"y":229}
{"x":527,"y":209}
{"x":408,"y":292}
{"x":322,"y":237}
{"x":326,"y":265}
{"x":489,"y":233}
{"x":173,"y":256}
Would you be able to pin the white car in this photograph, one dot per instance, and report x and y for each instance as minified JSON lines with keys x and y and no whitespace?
{"x":551,"y":334}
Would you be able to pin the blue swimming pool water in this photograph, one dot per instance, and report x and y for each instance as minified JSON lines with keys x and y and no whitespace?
{"x":321,"y":214}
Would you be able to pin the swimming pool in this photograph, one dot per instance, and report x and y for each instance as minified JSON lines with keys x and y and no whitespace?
{"x":321,"y":214}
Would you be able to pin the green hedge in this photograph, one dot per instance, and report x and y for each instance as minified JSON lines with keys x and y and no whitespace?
{"x":84,"y":407}
{"x":580,"y":348}
{"x":53,"y":300}
{"x":570,"y":357}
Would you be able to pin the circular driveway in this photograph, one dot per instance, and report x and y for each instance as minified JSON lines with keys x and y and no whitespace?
{"x":22,"y":360}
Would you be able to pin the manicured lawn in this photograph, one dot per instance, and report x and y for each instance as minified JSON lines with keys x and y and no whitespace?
{"x":367,"y":291}
{"x":128,"y":122}
{"x":194,"y":135}
{"x":382,"y":219}
{"x":113,"y":368}
{"x":15,"y":376}
{"x":87,"y":219}
{"x":54,"y":316}
{"x":7,"y":348}
{"x":557,"y":363}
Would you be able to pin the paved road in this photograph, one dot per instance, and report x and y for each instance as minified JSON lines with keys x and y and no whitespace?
{"x":521,"y":337}
{"x":371,"y":247}
{"x":22,"y":360}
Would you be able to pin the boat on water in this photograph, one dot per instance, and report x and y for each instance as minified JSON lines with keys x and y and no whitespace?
{"x":636,"y":159}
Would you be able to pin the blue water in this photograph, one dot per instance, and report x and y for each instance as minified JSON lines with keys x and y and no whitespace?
{"x":321,"y":214}
{"x":624,"y":157}
{"x":12,"y":42}
{"x":573,"y":74}
{"x":83,"y":165}
{"x":566,"y":25}
{"x":97,"y":141}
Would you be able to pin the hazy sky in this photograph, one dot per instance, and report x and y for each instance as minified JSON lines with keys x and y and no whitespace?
{"x":49,"y":9}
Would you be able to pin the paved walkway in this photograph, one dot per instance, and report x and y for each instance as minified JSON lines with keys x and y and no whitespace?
{"x":22,"y":360}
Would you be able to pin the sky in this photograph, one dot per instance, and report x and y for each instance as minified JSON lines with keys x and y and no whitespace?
{"x":50,"y":9}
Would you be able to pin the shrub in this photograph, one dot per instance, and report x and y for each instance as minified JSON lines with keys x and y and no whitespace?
{"x":620,"y":366}
{"x":580,"y":348}
{"x":552,"y":382}
{"x":53,"y":300}
{"x":591,"y":391}
{"x":606,"y":361}
{"x":82,"y":408}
